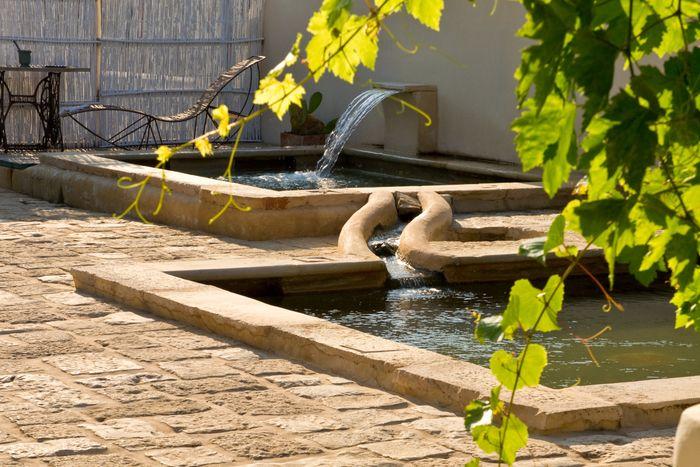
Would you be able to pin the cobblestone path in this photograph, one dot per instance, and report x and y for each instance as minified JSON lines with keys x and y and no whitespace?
{"x":88,"y":383}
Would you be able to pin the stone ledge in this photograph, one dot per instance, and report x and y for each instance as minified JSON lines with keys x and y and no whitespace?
{"x":433,"y":378}
{"x":484,"y":168}
{"x":660,"y":401}
{"x":90,"y":182}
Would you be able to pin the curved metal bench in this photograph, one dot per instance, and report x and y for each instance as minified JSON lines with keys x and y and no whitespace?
{"x":149,"y":124}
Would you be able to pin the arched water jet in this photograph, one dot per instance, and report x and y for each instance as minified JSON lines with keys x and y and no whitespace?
{"x":358,"y":109}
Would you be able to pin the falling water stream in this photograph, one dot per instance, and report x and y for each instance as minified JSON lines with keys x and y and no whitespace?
{"x":385,"y":243}
{"x":358,"y":109}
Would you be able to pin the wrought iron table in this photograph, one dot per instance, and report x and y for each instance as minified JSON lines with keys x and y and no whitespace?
{"x":45,"y":99}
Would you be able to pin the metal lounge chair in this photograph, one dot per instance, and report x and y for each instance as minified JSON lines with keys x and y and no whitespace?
{"x":149,"y":124}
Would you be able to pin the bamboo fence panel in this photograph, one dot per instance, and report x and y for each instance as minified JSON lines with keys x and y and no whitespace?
{"x":154,"y":55}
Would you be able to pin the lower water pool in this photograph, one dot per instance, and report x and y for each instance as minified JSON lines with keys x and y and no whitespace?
{"x":641,"y":344}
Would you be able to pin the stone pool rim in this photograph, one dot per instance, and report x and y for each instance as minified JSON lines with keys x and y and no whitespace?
{"x":406,"y":370}
{"x":89,"y":182}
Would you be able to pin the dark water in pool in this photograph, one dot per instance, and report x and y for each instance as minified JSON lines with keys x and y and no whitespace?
{"x":309,"y":180}
{"x":641,"y":345}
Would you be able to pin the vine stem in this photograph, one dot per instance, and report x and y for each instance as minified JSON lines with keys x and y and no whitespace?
{"x":630,"y":35}
{"x":677,"y":192}
{"x":528,"y":340}
{"x":611,"y":301}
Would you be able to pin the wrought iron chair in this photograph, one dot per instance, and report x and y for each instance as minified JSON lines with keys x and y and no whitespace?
{"x":149,"y":124}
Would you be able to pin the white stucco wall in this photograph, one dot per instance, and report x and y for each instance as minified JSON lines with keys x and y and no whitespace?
{"x":471,"y":60}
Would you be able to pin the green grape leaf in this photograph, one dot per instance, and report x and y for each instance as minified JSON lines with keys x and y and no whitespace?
{"x":488,"y":438}
{"x":336,"y":10}
{"x":687,"y":301}
{"x":592,"y":218}
{"x":534,"y":249}
{"x":495,"y":399}
{"x":477,"y":413}
{"x":631,"y":144}
{"x":489,"y":328}
{"x":526,"y":306}
{"x":504,"y":441}
{"x":515,"y":436}
{"x":555,"y":235}
{"x":682,"y":256}
{"x":559,"y":158}
{"x":546,"y":138}
{"x":389,"y":6}
{"x":593,"y":69}
{"x":531,"y":362}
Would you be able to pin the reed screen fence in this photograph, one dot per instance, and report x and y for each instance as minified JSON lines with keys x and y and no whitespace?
{"x":152,"y":55}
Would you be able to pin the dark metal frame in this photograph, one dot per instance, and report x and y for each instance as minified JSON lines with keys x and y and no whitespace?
{"x":45,"y":100}
{"x":149,"y":124}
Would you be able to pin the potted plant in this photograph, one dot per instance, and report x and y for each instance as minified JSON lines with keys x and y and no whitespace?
{"x":307,"y":130}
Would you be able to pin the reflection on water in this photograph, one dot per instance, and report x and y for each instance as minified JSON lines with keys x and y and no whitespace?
{"x":308,"y":180}
{"x":641,"y":345}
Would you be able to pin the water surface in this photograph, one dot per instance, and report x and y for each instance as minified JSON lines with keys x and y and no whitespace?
{"x":641,"y":345}
{"x":309,"y":180}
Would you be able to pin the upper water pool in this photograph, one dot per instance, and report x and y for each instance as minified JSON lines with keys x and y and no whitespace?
{"x":641,"y":344}
{"x":297,"y":172}
{"x":310,"y":180}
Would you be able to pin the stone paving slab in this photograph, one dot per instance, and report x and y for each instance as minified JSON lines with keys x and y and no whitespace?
{"x":88,"y":383}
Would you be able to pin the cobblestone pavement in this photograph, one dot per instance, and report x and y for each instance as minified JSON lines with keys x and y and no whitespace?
{"x":89,"y":383}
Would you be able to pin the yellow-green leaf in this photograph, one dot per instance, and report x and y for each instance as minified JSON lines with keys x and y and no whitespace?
{"x":221,"y":115}
{"x":278,"y":95}
{"x":428,"y":12}
{"x":555,"y":236}
{"x":531,"y":361}
{"x":342,"y":51}
{"x":289,"y":60}
{"x":526,"y":306}
{"x":504,"y":441}
{"x":164,"y":154}
{"x":204,"y":147}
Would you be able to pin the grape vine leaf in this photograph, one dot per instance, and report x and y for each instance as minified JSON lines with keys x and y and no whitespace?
{"x":490,"y":328}
{"x":278,"y":95}
{"x":531,"y":362}
{"x":428,"y":12}
{"x":526,"y":306}
{"x":505,"y":440}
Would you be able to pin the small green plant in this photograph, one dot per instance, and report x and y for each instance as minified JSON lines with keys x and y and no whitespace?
{"x":302,"y":120}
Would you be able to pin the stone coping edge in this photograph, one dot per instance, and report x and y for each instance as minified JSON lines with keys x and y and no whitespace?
{"x":191,"y":204}
{"x":420,"y":374}
{"x":480,"y":196}
{"x":89,"y":182}
{"x":260,"y":268}
{"x":452,"y":164}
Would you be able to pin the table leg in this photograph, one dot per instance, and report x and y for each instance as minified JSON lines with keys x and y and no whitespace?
{"x":3,"y":111}
{"x":48,"y":106}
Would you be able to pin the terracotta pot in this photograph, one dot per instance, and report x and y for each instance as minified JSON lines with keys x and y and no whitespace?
{"x":290,"y":139}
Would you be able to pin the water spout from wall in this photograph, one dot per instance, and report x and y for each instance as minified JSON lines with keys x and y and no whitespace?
{"x":358,"y":109}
